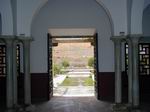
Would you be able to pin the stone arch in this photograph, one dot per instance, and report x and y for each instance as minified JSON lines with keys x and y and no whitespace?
{"x":65,"y":14}
{"x":37,"y":11}
{"x":108,"y":14}
{"x":145,"y":21}
{"x":98,"y":2}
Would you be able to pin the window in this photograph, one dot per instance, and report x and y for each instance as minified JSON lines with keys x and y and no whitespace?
{"x":3,"y":59}
{"x":144,"y":58}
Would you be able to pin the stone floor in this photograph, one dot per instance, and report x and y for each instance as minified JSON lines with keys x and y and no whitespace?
{"x":73,"y":104}
{"x":74,"y":91}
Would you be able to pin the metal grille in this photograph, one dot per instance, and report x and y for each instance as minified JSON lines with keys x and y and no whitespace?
{"x":144,"y":58}
{"x":3,"y":59}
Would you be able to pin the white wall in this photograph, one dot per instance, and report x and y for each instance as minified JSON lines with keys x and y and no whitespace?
{"x":136,"y":16}
{"x":71,"y":14}
{"x":26,"y":9}
{"x":118,"y":10}
{"x":146,"y":21}
{"x":0,"y":24}
{"x":6,"y":13}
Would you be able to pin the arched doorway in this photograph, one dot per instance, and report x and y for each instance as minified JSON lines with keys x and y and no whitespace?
{"x":73,"y":14}
{"x":84,"y":35}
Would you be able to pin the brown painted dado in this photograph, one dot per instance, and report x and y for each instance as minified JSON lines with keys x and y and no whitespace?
{"x":40,"y":86}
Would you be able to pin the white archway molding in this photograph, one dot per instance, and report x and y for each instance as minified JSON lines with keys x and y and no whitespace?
{"x":136,"y":16}
{"x":118,"y":11}
{"x":26,"y":11}
{"x":65,"y":14}
{"x":108,"y":14}
{"x":6,"y":16}
{"x":35,"y":12}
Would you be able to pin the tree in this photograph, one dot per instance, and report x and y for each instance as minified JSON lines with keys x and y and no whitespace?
{"x":91,"y":62}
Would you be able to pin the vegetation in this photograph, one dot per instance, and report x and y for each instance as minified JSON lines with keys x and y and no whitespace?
{"x":56,"y":69}
{"x":91,"y":62}
{"x":65,"y":63}
{"x":88,"y":82}
{"x":76,"y":81}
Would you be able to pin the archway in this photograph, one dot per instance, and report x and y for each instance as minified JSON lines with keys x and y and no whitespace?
{"x":72,"y":14}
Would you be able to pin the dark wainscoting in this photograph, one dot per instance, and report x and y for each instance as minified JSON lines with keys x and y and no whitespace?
{"x":106,"y":82}
{"x":145,"y":88}
{"x":106,"y":85}
{"x":39,"y":87}
{"x":2,"y":88}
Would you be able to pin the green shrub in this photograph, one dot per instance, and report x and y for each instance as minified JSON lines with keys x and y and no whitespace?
{"x":56,"y":69}
{"x":91,"y":62}
{"x":65,"y":63}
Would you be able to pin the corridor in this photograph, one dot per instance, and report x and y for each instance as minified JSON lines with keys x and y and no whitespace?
{"x":74,"y":104}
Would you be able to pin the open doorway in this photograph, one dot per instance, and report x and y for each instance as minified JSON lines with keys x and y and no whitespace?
{"x":73,"y":67}
{"x":72,"y":64}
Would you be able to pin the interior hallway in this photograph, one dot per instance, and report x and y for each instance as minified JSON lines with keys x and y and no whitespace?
{"x":74,"y":104}
{"x":82,"y":104}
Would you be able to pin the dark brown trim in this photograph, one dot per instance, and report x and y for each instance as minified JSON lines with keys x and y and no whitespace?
{"x":106,"y":85}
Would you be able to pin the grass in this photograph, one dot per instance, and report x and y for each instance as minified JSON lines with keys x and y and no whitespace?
{"x":76,"y":81}
{"x":88,"y":82}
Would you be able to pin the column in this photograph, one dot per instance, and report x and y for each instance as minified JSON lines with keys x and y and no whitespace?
{"x":27,"y":77}
{"x":118,"y":83}
{"x":9,"y":77}
{"x":15,"y":74}
{"x":135,"y":60}
{"x":130,"y":73}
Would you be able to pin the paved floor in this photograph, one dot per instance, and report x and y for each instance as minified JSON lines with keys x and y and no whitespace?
{"x":74,"y":104}
{"x":74,"y":91}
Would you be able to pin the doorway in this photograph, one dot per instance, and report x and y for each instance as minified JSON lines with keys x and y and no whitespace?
{"x":70,"y":69}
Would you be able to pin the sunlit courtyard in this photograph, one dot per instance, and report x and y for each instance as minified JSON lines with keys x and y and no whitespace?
{"x":73,"y":70}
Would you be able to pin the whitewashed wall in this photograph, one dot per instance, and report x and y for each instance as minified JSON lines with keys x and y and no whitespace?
{"x":6,"y":14}
{"x":27,"y":13}
{"x":71,"y":14}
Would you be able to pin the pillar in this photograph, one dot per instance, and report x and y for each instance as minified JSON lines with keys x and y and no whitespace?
{"x":135,"y":60}
{"x":15,"y":74}
{"x":117,"y":55}
{"x":130,"y":73}
{"x":9,"y":77}
{"x":27,"y":77}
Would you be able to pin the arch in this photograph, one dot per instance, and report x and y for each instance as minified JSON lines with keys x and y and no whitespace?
{"x":108,"y":14}
{"x":98,"y":2}
{"x":145,"y":21}
{"x":37,"y":11}
{"x":65,"y":14}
